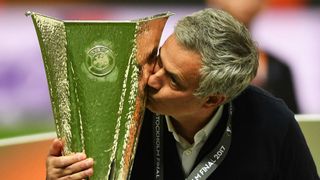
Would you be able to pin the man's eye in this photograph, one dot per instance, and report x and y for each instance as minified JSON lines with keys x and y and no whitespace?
{"x":174,"y":82}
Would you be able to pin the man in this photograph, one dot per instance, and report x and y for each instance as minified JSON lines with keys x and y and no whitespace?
{"x":214,"y":125}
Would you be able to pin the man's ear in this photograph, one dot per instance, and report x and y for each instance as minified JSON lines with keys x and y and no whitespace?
{"x":214,"y":100}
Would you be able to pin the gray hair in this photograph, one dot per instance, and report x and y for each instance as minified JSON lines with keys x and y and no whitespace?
{"x":229,"y":56}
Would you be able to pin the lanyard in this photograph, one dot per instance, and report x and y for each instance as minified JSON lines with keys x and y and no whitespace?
{"x":208,"y":164}
{"x":157,"y":146}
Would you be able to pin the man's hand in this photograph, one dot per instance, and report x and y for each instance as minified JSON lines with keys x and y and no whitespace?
{"x":71,"y":167}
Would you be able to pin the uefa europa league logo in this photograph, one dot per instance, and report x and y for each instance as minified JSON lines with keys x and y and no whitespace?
{"x":100,"y":60}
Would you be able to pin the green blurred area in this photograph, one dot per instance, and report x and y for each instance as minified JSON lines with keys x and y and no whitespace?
{"x":311,"y":131}
{"x":26,"y":128}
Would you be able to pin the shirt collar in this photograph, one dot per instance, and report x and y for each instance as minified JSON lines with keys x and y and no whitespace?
{"x":201,"y":135}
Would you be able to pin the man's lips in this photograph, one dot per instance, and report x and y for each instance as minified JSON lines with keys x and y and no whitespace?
{"x":149,"y":97}
{"x":150,"y":91}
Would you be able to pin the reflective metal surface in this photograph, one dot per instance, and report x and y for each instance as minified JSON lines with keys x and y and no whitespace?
{"x":97,"y":71}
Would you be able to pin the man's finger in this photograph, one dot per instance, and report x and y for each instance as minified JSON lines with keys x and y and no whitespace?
{"x":56,"y":147}
{"x":78,"y":167}
{"x":64,"y":161}
{"x":79,"y":175}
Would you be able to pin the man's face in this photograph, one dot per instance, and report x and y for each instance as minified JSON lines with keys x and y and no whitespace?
{"x":173,"y":81}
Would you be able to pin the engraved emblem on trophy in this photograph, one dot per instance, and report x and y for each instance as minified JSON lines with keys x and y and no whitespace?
{"x":100,"y":60}
{"x":96,"y":73}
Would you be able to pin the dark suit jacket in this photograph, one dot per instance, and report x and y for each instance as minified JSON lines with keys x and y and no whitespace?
{"x":267,"y":144}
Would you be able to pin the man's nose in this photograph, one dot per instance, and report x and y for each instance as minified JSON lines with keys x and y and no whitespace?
{"x":156,"y":78}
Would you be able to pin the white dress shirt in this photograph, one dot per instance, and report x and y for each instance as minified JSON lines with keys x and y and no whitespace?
{"x":188,"y":152}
